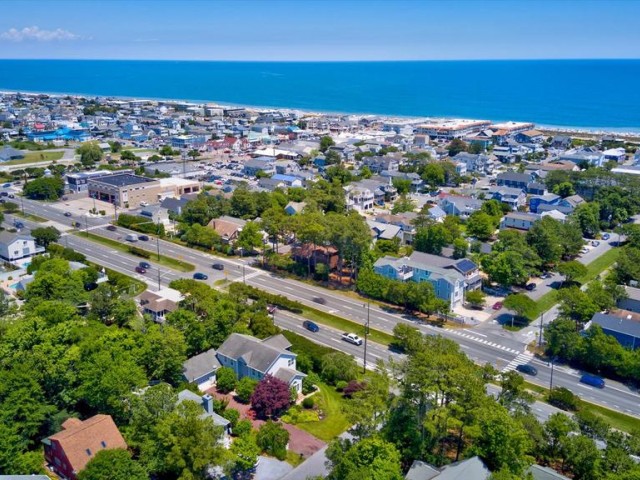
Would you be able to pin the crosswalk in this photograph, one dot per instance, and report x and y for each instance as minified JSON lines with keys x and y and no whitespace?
{"x":520,"y":359}
{"x":483,"y":341}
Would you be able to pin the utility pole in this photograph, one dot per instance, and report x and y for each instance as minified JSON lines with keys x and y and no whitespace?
{"x":159,"y":286}
{"x":551,"y":379}
{"x":540,"y":336}
{"x":366,"y":335}
{"x":158,"y":244}
{"x":22,"y":202}
{"x":86,"y":226}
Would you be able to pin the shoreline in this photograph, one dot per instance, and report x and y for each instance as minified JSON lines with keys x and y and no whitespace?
{"x":627,"y":133}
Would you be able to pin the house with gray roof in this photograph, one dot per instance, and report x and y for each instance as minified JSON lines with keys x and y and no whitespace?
{"x":460,"y":206}
{"x":519,"y":220}
{"x":624,"y":328}
{"x":201,"y":369}
{"x":514,"y":180}
{"x":206,"y":402}
{"x":15,"y":246}
{"x":544,"y":473}
{"x":581,"y":155}
{"x":470,"y":469}
{"x":632,"y":301}
{"x":10,"y":153}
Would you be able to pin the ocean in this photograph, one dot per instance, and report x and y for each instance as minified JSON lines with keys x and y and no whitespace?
{"x":595,"y":94}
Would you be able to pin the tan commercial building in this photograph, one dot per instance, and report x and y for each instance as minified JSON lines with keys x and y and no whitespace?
{"x":127,"y":190}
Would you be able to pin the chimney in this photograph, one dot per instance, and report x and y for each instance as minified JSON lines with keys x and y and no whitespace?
{"x":207,"y":403}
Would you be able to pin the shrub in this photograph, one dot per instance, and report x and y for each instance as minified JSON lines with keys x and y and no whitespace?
{"x":341,"y":385}
{"x":272,"y":438}
{"x":255,"y":294}
{"x":271,"y":396}
{"x":338,"y":367}
{"x":245,"y":388}
{"x":232,"y":415}
{"x":564,"y":399}
{"x":297,"y":415}
{"x":309,"y":383}
{"x":139,"y":252}
{"x":243,"y":427}
{"x":220,"y":405}
{"x":308,"y":402}
{"x":353,"y":387}
{"x":311,"y":350}
{"x":225,"y":379}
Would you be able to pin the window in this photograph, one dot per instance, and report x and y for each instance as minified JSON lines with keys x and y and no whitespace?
{"x":291,"y":360}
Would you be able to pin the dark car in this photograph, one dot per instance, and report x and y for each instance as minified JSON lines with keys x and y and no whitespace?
{"x":319,"y":300}
{"x":67,"y":214}
{"x":6,"y":185}
{"x":309,"y":325}
{"x":4,"y":194}
{"x":11,"y":195}
{"x":112,"y":228}
{"x":592,"y":380}
{"x":528,"y":369}
{"x":144,"y":238}
{"x":140,"y":269}
{"x":19,"y":225}
{"x":217,"y":266}
{"x":144,"y":265}
{"x":531,"y":287}
{"x":200,"y":276}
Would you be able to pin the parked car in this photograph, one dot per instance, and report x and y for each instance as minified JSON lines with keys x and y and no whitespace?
{"x":319,"y":300}
{"x":606,"y":236}
{"x":140,"y":269}
{"x":592,"y":380}
{"x":144,"y":238}
{"x":497,"y":306}
{"x":146,"y":265}
{"x":144,"y":204}
{"x":584,"y":250}
{"x":309,"y":325}
{"x":4,"y":194}
{"x":200,"y":276}
{"x":352,"y":338}
{"x":112,"y":228}
{"x":271,"y":309}
{"x":217,"y":266}
{"x":531,"y":287}
{"x":595,"y":243}
{"x":67,"y":214}
{"x":528,"y":369}
{"x":545,"y":275}
{"x":18,"y":225}
{"x":11,"y":195}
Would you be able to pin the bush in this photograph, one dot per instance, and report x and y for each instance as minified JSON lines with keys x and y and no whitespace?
{"x":270,"y":397}
{"x":341,"y":385}
{"x":309,"y":383}
{"x":312,"y":351}
{"x":564,"y":399}
{"x":272,"y":438}
{"x":245,"y":388}
{"x":338,"y":367}
{"x":220,"y":405}
{"x":139,"y":252}
{"x":232,"y":415}
{"x":280,"y":301}
{"x":225,"y":380}
{"x":308,"y":402}
{"x":297,"y":415}
{"x":243,"y":427}
{"x":353,"y":387}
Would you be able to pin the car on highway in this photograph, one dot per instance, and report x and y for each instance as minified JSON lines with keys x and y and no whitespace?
{"x":4,"y":194}
{"x":271,"y":309}
{"x":11,"y":195}
{"x":531,"y":287}
{"x":592,"y":380}
{"x":131,"y":237}
{"x":606,"y":236}
{"x":6,"y":185}
{"x":528,"y":369}
{"x":146,"y":265}
{"x":112,"y":228}
{"x":67,"y":214}
{"x":497,"y":306}
{"x":319,"y":300}
{"x":140,"y":269}
{"x":144,"y":238}
{"x":351,"y":338}
{"x":309,"y":325}
{"x":200,"y":276}
{"x":217,"y":266}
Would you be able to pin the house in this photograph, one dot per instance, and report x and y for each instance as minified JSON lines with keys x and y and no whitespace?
{"x":470,"y":469}
{"x":632,"y":300}
{"x":519,"y":221}
{"x":359,"y":199}
{"x":561,"y":141}
{"x":459,"y":205}
{"x":15,"y":246}
{"x":563,"y":205}
{"x":584,"y":155}
{"x":265,"y":165}
{"x":206,"y":402}
{"x":227,"y":227}
{"x":159,"y":304}
{"x":174,"y":205}
{"x":294,"y":208}
{"x":24,"y":477}
{"x":514,"y":197}
{"x":468,"y":269}
{"x":287,"y":180}
{"x":530,"y":136}
{"x":254,"y":358}
{"x":514,"y":180}
{"x":384,"y":231}
{"x":544,"y":473}
{"x":68,"y":451}
{"x":201,"y":369}
{"x":536,"y":188}
{"x":624,"y":326}
{"x":378,"y":164}
{"x":10,"y":153}
{"x":618,"y":155}
{"x":475,"y":162}
{"x":555,"y":214}
{"x":402,"y":220}
{"x":308,"y":254}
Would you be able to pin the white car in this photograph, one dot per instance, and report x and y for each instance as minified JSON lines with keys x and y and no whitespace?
{"x":352,"y":338}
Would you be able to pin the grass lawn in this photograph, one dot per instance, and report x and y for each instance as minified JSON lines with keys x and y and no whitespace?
{"x":334,"y":422}
{"x":346,"y":325}
{"x":599,"y":265}
{"x":166,"y":261}
{"x":41,"y":156}
{"x":294,"y":459}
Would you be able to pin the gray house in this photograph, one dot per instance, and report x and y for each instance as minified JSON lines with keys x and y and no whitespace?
{"x":14,"y":246}
{"x":470,"y":469}
{"x":10,"y":153}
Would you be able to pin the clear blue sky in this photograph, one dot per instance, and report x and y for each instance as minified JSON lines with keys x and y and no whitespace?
{"x":319,"y":30}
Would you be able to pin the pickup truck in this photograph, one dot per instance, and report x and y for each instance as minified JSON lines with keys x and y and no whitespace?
{"x":352,"y":338}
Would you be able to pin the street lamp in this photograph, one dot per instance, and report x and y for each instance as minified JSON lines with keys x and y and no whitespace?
{"x":551,"y":379}
{"x":366,"y":334}
{"x":540,"y":336}
{"x":243,"y":275}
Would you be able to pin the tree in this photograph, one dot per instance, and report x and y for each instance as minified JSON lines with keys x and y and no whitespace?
{"x":270,"y":397}
{"x":226,"y":379}
{"x":402,"y":185}
{"x":564,"y":189}
{"x":245,"y":388}
{"x":193,"y":153}
{"x":10,"y":207}
{"x":128,"y":156}
{"x":506,"y":268}
{"x":249,"y":237}
{"x":583,"y":458}
{"x":113,"y":464}
{"x":475,"y":298}
{"x":44,"y":188}
{"x":431,"y":239}
{"x":90,"y":153}
{"x":325,"y":143}
{"x":403,"y":204}
{"x":433,"y":174}
{"x":514,"y":395}
{"x":372,"y":458}
{"x":45,"y":235}
{"x":522,"y":305}
{"x":556,"y":430}
{"x":627,"y":267}
{"x":572,"y":270}
{"x":456,"y":146}
{"x":460,"y":247}
{"x":338,"y":367}
{"x":481,"y":225}
{"x":587,"y":215}
{"x":272,"y":438}
{"x":406,"y":338}
{"x":564,"y":399}
{"x":164,"y":353}
{"x":246,"y":451}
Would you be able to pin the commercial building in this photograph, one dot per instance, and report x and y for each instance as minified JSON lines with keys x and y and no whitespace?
{"x":450,"y":129}
{"x":79,"y":182}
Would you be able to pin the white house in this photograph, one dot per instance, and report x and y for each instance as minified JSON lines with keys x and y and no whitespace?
{"x":14,"y":246}
{"x":359,"y":199}
{"x":519,"y":221}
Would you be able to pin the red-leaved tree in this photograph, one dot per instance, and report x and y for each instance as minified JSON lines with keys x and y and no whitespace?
{"x":270,"y":397}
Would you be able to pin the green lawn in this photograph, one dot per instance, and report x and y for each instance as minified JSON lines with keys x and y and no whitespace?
{"x":293,"y":459}
{"x":41,"y":156}
{"x":335,"y":422}
{"x":166,"y":261}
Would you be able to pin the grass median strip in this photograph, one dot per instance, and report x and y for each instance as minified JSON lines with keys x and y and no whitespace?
{"x":30,"y":216}
{"x":165,"y":261}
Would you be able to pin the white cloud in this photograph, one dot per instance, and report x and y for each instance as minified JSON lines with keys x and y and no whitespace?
{"x":38,"y":34}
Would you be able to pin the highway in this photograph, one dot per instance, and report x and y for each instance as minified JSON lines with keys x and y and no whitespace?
{"x":502,"y":349}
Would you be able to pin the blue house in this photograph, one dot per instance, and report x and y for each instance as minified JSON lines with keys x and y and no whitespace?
{"x":625,"y":330}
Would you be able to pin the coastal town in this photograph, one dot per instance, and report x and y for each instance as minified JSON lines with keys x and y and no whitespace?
{"x":193,"y":291}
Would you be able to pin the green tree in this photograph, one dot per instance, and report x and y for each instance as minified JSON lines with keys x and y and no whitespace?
{"x":272,"y":438}
{"x":514,"y":395}
{"x":481,"y":225}
{"x":556,"y":430}
{"x":368,"y":406}
{"x":403,"y":185}
{"x":372,"y":458}
{"x":113,"y":464}
{"x":325,"y":143}
{"x":245,"y":388}
{"x":164,"y":353}
{"x":506,"y":268}
{"x":583,"y":458}
{"x":456,"y":146}
{"x":226,"y":379}
{"x":460,"y":247}
{"x":338,"y":367}
{"x":44,"y":188}
{"x":90,"y":153}
{"x":403,"y":204}
{"x":128,"y":156}
{"x":522,"y":305}
{"x":572,"y":270}
{"x":249,"y":237}
{"x":45,"y":235}
{"x":406,"y":338}
{"x":627,"y":267}
{"x":564,"y":189}
{"x":433,"y":174}
{"x":475,"y":298}
{"x":246,"y":451}
{"x":588,"y":217}
{"x":193,"y":153}
{"x":10,"y":207}
{"x":431,"y":239}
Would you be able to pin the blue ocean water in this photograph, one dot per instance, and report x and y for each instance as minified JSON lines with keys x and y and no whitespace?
{"x":572,"y":93}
